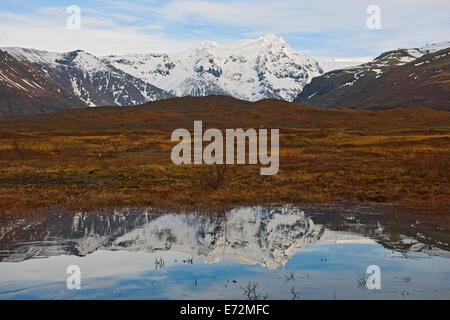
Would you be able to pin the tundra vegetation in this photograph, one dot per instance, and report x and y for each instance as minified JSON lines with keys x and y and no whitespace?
{"x":110,"y":157}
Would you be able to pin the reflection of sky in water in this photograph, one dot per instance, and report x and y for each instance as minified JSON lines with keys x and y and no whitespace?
{"x":318,"y":255}
{"x":132,"y":275}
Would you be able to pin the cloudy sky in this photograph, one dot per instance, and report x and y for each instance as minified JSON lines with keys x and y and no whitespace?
{"x":320,"y":28}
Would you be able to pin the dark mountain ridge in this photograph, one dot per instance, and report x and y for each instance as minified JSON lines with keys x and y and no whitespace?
{"x":387,"y":82}
{"x":26,"y":90}
{"x":95,"y":82}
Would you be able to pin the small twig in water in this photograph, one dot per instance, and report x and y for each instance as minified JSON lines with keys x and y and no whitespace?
{"x":159,"y":263}
{"x":294,"y":293}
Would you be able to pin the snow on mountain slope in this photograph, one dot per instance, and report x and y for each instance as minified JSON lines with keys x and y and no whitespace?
{"x":360,"y":66}
{"x":250,"y":69}
{"x":26,"y":90}
{"x":92,"y":80}
{"x":34,"y":56}
{"x":381,"y":64}
{"x":246,"y":69}
{"x":403,"y":56}
{"x":434,"y":47}
{"x":412,"y":77}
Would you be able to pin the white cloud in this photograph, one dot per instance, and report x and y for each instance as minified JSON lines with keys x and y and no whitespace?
{"x":99,"y":42}
{"x":404,"y":23}
{"x":98,"y":35}
{"x":326,"y":27}
{"x":153,"y":27}
{"x":308,"y":15}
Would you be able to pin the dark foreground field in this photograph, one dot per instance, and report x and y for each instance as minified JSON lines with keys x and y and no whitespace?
{"x":52,"y":160}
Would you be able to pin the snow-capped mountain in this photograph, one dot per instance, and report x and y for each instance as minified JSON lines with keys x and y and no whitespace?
{"x":92,"y":80}
{"x":398,"y":78}
{"x":250,"y":69}
{"x":386,"y":61}
{"x":25,"y":90}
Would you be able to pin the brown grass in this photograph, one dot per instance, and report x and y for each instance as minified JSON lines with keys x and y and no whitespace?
{"x":51,"y":161}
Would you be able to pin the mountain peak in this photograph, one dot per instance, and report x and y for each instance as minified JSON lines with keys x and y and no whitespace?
{"x":205,"y":44}
{"x":250,"y":69}
{"x":269,"y":37}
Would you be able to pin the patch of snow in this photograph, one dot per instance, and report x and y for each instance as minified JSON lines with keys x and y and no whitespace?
{"x":313,"y":95}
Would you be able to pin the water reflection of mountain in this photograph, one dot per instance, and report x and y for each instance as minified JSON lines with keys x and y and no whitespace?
{"x":267,"y":236}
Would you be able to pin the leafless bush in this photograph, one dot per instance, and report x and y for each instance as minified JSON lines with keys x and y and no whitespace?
{"x":57,"y":148}
{"x":159,"y":263}
{"x":210,"y":176}
{"x":290,"y":277}
{"x":251,"y":293}
{"x":294,"y":293}
{"x":189,"y":261}
{"x":361,"y":281}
